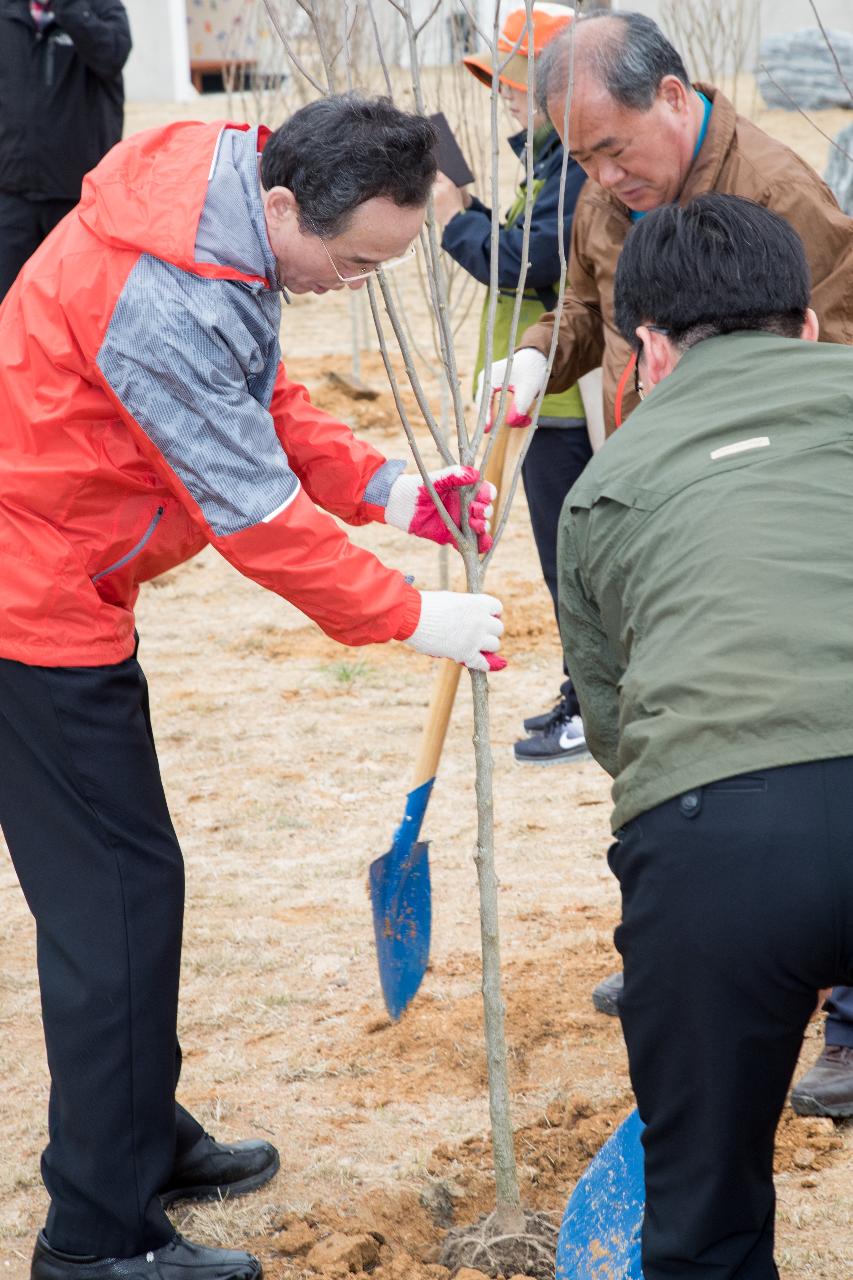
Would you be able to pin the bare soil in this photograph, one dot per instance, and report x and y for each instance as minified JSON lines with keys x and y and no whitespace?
{"x":286,"y":760}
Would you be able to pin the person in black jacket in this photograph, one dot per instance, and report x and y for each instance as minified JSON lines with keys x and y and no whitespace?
{"x":61,"y":109}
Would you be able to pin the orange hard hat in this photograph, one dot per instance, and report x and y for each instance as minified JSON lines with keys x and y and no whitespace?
{"x":548,"y":21}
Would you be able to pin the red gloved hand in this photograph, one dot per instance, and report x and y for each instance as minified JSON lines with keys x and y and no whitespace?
{"x":411,"y":508}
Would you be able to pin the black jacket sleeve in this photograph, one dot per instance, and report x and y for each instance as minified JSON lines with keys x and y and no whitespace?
{"x":467,"y":236}
{"x":100,"y":31}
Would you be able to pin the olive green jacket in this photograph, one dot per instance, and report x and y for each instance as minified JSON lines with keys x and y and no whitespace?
{"x":706,"y":572}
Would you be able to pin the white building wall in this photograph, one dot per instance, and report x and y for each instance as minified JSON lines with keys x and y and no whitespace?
{"x":158,"y":69}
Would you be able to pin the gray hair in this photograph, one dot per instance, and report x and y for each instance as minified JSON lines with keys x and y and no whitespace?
{"x":629,"y":59}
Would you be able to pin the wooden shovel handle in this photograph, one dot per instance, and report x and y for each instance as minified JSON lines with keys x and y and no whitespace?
{"x":444,"y":686}
{"x":499,"y":470}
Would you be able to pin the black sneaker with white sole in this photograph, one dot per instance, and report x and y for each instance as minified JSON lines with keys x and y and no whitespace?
{"x":563,"y":741}
{"x":542,"y":723}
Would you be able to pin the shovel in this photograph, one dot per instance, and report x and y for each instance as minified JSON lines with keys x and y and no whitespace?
{"x":399,"y":880}
{"x":600,"y":1235}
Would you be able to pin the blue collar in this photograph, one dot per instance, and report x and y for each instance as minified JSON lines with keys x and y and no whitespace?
{"x":707,"y":104}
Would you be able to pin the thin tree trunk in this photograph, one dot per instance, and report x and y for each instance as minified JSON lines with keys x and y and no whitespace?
{"x":509,"y":1218}
{"x":509,"y":1215}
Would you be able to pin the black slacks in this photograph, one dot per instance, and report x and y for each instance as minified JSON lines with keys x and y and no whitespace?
{"x":737,"y":906}
{"x":85,"y":818}
{"x":23,"y":226}
{"x":555,"y":460}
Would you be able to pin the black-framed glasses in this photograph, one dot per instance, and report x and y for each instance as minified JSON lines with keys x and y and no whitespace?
{"x":638,"y":386}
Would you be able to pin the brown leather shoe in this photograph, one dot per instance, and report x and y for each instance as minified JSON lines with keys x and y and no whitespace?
{"x":827,"y":1090}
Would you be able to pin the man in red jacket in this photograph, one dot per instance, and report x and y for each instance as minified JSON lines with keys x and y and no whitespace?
{"x":145,"y":414}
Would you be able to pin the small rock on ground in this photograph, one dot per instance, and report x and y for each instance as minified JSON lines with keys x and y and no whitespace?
{"x":294,"y":1239}
{"x":340,"y":1253}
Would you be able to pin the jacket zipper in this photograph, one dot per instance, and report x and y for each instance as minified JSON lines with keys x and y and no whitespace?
{"x":134,"y":551}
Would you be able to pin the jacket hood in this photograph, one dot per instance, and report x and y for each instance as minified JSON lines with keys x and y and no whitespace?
{"x":148,"y":195}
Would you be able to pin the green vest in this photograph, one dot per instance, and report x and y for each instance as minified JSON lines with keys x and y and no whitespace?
{"x":565,"y":404}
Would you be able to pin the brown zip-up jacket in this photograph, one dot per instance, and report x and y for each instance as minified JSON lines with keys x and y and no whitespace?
{"x":736,"y":158}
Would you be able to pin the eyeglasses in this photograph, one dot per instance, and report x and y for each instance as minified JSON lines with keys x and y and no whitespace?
{"x":368,"y":271}
{"x":638,"y":386}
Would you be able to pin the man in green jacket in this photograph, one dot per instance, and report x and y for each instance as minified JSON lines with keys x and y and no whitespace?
{"x":706,"y":582}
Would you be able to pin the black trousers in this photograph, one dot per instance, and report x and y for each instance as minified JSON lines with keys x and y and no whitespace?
{"x":737,"y":906}
{"x":555,"y":460}
{"x":85,"y":818}
{"x":23,"y":226}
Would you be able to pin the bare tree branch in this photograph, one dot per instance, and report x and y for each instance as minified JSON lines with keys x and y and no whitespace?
{"x":269,"y":5}
{"x":428,"y":19}
{"x":472,"y":17}
{"x":804,"y":114}
{"x":379,"y":49}
{"x":402,"y":312}
{"x":494,"y":246}
{"x":558,"y":310}
{"x":451,"y":527}
{"x":831,"y":49}
{"x":436,"y":276}
{"x":411,"y":371}
{"x":307,"y":7}
{"x":525,"y":242}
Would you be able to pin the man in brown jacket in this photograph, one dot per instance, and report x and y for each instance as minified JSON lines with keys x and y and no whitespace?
{"x":646,"y":137}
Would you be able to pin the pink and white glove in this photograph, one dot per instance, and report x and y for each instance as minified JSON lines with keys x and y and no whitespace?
{"x":411,"y":508}
{"x":528,"y":371}
{"x":466,"y":628}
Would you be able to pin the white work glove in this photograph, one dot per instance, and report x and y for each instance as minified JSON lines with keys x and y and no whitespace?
{"x":411,"y":508}
{"x":528,"y":379}
{"x":466,"y":628}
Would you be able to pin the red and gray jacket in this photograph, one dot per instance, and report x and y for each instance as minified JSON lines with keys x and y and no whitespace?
{"x":145,"y":412}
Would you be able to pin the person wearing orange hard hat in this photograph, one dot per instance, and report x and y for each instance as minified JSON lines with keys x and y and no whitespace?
{"x":560,"y":447}
{"x":548,"y":21}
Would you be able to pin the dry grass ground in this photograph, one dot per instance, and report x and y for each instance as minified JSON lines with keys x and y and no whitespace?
{"x":286,"y":761}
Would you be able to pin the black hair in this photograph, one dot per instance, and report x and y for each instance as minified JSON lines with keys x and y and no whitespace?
{"x":630,"y":59}
{"x":719,"y":264}
{"x":336,"y":153}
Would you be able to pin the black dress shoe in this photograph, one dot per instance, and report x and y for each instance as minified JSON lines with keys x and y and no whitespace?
{"x":608,"y":993}
{"x":177,"y":1260}
{"x":214,"y":1170}
{"x":827,"y":1090}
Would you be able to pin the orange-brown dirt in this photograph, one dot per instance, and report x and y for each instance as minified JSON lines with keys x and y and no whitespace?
{"x":286,"y":761}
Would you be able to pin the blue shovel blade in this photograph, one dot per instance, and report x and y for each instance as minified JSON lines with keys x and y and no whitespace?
{"x":401,"y":902}
{"x":600,"y":1235}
